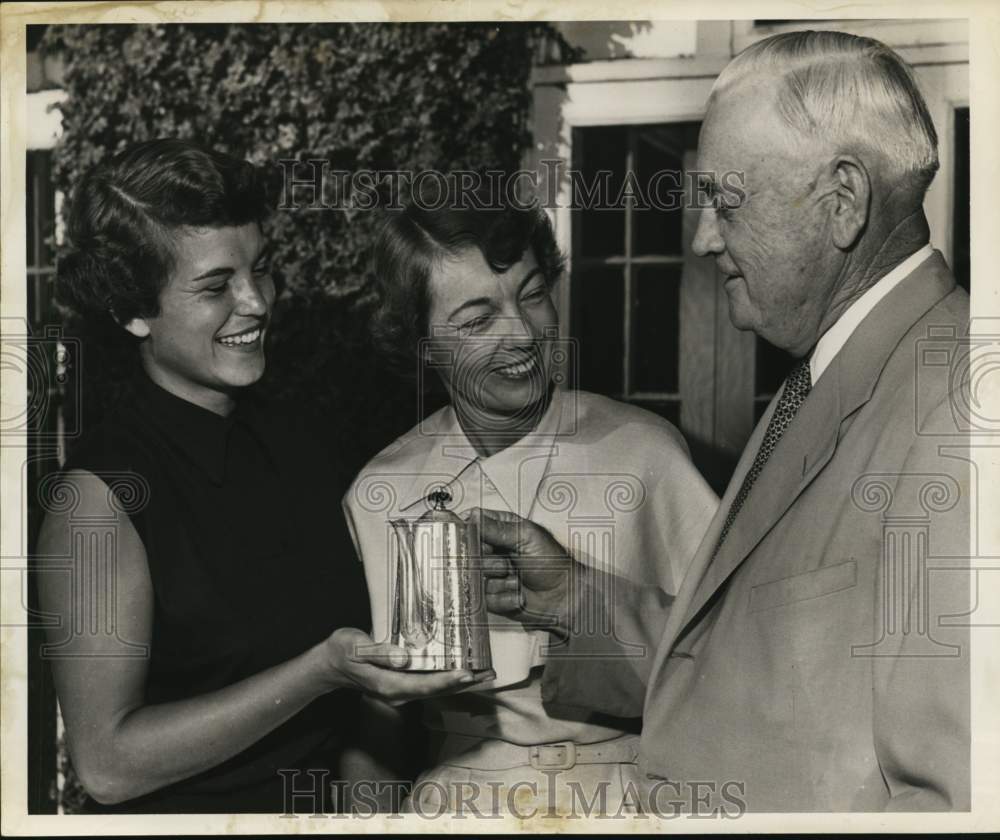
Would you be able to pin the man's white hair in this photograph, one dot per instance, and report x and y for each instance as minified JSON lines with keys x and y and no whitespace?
{"x":853,"y":91}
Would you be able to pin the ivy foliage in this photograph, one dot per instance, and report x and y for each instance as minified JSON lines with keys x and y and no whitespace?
{"x":361,"y":96}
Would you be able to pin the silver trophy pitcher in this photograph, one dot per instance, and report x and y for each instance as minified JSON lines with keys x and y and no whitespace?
{"x":439,"y":612}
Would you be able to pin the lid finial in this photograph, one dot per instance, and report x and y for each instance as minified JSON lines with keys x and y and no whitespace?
{"x":439,"y":498}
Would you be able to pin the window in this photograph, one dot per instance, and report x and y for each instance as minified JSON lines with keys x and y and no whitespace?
{"x":628,"y":259}
{"x":42,"y":459}
{"x":40,"y":223}
{"x":41,"y":227}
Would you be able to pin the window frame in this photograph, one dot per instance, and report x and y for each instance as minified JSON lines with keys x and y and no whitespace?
{"x":629,"y":262}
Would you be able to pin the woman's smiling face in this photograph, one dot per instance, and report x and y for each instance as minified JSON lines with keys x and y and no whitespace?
{"x":491,"y":335}
{"x":207,"y":341}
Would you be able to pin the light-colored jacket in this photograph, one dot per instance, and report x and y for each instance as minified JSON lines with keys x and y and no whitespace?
{"x":613,"y":484}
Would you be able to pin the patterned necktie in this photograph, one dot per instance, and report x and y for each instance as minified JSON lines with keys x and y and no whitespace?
{"x":797,"y":387}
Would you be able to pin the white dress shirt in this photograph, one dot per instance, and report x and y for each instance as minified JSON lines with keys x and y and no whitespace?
{"x":836,"y":337}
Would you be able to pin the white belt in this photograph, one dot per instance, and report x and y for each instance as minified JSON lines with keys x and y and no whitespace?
{"x":560,"y":755}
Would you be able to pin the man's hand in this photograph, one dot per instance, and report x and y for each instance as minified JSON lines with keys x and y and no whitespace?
{"x":527,"y":572}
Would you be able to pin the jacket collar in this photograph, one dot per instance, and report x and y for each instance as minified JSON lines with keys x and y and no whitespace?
{"x":518,"y":470}
{"x":810,"y":441}
{"x":451,"y":460}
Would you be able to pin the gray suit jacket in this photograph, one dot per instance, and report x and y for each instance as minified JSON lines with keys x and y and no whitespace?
{"x":818,"y":662}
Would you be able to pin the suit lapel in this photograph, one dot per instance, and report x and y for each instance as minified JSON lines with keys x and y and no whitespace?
{"x":811,"y":440}
{"x":695,"y":583}
{"x":804,"y":449}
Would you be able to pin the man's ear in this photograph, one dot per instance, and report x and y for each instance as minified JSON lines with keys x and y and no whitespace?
{"x":852,"y":190}
{"x":137,"y":326}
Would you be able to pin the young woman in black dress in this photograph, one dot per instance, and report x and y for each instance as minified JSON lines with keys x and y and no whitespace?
{"x":210,"y":602}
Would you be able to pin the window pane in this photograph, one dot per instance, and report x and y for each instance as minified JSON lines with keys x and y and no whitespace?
{"x":659,"y":166}
{"x":599,"y":296}
{"x":655,"y":328}
{"x":599,"y":155}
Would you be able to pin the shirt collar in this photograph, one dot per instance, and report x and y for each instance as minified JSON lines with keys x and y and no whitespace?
{"x":201,"y":435}
{"x":515,"y":471}
{"x":831,"y":342}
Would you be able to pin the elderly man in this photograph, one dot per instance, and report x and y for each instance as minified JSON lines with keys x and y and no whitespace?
{"x":814,"y":658}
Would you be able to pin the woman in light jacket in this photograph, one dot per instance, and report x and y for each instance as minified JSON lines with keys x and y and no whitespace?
{"x":465,"y":295}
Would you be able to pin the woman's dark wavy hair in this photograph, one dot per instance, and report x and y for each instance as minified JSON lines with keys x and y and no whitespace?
{"x":412,"y":240}
{"x":125,"y":212}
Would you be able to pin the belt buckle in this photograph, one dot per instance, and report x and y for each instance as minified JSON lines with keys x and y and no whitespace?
{"x":560,"y":756}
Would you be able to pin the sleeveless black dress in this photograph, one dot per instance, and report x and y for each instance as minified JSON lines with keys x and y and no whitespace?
{"x":251,"y":564}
